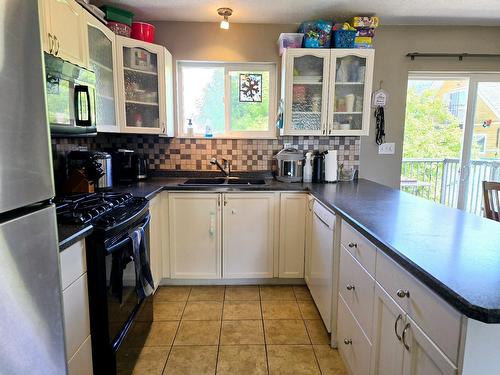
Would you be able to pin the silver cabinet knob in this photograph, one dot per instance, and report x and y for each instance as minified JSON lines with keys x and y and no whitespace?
{"x":403,"y":293}
{"x":348,"y":341}
{"x":350,"y":287}
{"x":352,"y":244}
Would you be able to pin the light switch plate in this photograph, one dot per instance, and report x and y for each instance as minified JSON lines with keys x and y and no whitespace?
{"x":386,"y":148}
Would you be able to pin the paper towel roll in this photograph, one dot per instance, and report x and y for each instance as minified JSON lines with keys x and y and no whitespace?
{"x":331,"y":166}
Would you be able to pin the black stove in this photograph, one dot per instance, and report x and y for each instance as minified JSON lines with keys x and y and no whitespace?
{"x":102,"y":210}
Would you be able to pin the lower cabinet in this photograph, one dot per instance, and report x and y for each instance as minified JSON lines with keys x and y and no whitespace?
{"x":308,"y":239}
{"x":156,"y":238}
{"x":195,"y":235}
{"x":248,"y":235}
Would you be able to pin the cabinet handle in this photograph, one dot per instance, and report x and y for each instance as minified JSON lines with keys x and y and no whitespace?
{"x":352,"y":244}
{"x":350,"y":287}
{"x":329,"y":131}
{"x":396,"y":326}
{"x":51,"y":42}
{"x":310,"y":204}
{"x":225,"y":201}
{"x":211,"y":229}
{"x":403,"y":293}
{"x":407,"y":326}
{"x":347,"y":341}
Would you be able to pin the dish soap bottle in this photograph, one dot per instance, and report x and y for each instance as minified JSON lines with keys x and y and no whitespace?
{"x":190,"y":131}
{"x":308,"y":168}
{"x":208,"y":131}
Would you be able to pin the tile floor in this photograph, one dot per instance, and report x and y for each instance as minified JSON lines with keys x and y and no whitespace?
{"x":232,"y":330}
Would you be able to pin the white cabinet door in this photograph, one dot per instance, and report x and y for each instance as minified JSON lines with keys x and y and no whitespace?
{"x":65,"y":33}
{"x":422,"y":356}
{"x":292,"y":234}
{"x":349,"y":106}
{"x":321,"y":261}
{"x":102,"y":61}
{"x":81,"y":362}
{"x":156,"y":239}
{"x":308,"y":240}
{"x":305,"y":78}
{"x":142,"y":86}
{"x":248,"y":238}
{"x":195,"y":235}
{"x":388,"y":323}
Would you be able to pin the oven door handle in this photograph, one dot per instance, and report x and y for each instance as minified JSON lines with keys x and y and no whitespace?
{"x":127,"y":238}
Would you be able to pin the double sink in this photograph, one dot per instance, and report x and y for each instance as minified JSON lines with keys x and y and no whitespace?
{"x":232,"y":181}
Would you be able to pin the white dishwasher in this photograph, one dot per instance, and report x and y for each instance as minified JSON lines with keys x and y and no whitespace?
{"x":321,"y":261}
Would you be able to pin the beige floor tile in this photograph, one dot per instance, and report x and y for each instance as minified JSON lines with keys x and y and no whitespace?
{"x":291,"y":360}
{"x":317,"y":332}
{"x":192,"y":360}
{"x":203,"y":310}
{"x":156,"y":334}
{"x":276,"y":292}
{"x":243,"y":293}
{"x":308,"y":310}
{"x":239,"y":310}
{"x":193,"y":332}
{"x":142,"y":361}
{"x":329,"y":360}
{"x":302,"y":293}
{"x":238,"y":332}
{"x":285,"y":332}
{"x":242,"y":359}
{"x":172,"y":294}
{"x":207,"y":293}
{"x":280,"y":310}
{"x":163,"y":311}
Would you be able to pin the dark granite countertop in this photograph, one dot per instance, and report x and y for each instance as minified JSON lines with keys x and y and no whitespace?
{"x":457,"y":255}
{"x":70,"y":234}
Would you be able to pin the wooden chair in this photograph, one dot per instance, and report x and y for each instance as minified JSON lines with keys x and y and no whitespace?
{"x":491,"y":191}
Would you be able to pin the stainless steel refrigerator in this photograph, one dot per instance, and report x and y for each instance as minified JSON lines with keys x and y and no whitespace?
{"x":31,"y":319}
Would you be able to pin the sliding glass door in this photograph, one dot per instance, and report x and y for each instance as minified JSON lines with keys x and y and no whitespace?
{"x":452,"y":136}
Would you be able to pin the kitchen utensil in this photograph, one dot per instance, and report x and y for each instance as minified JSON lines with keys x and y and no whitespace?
{"x":331,"y":166}
{"x":290,"y":165}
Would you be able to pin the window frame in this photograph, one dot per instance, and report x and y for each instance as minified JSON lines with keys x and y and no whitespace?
{"x":270,"y":133}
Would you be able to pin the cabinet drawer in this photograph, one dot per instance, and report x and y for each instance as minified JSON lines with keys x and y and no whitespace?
{"x":73,"y":263}
{"x":81,"y":362}
{"x":437,"y":319}
{"x":357,"y":288}
{"x":353,"y":344}
{"x":360,"y":248}
{"x":76,"y":315}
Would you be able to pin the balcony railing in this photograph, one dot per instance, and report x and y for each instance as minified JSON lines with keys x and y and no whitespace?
{"x":438,"y":180}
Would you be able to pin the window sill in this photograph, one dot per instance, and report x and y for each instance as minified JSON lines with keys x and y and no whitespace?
{"x":271,"y":137}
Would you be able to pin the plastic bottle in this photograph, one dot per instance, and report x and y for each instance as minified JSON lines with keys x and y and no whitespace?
{"x":208,"y":131}
{"x":308,"y":168}
{"x":190,"y":131}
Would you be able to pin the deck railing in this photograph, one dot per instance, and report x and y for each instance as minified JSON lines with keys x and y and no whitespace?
{"x":438,"y":180}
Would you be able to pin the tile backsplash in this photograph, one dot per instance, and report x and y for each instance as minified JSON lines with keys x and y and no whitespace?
{"x":194,"y":154}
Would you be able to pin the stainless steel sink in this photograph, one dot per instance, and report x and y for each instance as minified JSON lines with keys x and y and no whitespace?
{"x":224,"y":181}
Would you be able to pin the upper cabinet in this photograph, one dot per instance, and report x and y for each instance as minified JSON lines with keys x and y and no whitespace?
{"x":63,"y":30}
{"x":102,"y":61}
{"x":326,"y":92}
{"x":145,"y":87}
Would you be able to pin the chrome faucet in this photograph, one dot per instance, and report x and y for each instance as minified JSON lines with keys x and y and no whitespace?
{"x":225,"y":167}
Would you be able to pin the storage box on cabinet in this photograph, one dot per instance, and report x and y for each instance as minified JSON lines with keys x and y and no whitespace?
{"x":437,"y":318}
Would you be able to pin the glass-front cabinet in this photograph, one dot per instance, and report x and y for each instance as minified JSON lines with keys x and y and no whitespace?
{"x":326,"y":92}
{"x":145,"y":86}
{"x":102,"y":61}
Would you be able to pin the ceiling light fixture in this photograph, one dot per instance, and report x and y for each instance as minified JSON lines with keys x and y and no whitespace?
{"x":226,"y":13}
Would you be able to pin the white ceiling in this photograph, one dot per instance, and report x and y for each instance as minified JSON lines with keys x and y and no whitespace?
{"x":392,"y":12}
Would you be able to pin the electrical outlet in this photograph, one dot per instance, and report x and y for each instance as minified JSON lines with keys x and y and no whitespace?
{"x":386,"y":149}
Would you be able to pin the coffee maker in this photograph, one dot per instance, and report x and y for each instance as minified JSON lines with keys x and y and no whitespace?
{"x":128,"y":166}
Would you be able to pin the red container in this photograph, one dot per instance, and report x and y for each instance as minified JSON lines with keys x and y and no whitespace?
{"x":143,"y":31}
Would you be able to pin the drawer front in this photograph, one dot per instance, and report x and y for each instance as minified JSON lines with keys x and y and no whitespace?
{"x":76,"y":315}
{"x":357,"y":288}
{"x":353,"y":344}
{"x":360,"y":248}
{"x":438,"y":320}
{"x":81,"y":362}
{"x":73,"y":263}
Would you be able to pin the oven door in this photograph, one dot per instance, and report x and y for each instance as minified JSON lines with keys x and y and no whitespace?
{"x":124,"y":305}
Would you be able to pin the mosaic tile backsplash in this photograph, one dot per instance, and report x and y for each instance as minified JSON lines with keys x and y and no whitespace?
{"x":246,"y":155}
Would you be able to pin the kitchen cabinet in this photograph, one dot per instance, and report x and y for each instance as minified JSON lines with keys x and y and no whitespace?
{"x":156,"y":238}
{"x":308,"y":240}
{"x":63,"y":30}
{"x":326,"y":92}
{"x":145,"y":87}
{"x":292,"y":234}
{"x":195,"y":235}
{"x":248,"y":235}
{"x":102,"y":61}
